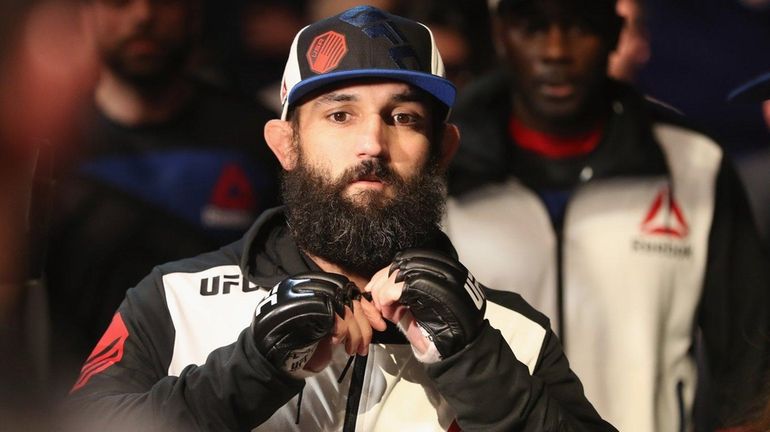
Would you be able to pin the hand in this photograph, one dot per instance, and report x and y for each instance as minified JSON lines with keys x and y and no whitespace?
{"x":434,"y":299}
{"x":300,"y":312}
{"x":354,"y":331}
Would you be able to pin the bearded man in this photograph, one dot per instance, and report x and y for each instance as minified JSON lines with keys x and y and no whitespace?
{"x":354,"y":260}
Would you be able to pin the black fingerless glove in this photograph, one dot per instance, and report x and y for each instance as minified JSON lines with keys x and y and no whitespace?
{"x":443,"y":296}
{"x":296,"y":314}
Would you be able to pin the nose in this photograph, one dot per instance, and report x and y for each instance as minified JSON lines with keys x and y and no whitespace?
{"x":556,"y":44}
{"x":372,"y":138}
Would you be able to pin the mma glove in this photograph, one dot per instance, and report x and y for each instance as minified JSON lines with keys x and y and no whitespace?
{"x":295,"y":315}
{"x":444,"y":298}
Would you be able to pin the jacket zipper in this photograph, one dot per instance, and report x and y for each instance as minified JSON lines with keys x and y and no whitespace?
{"x":560,"y":283}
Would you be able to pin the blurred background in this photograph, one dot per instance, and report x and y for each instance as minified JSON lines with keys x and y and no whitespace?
{"x":686,"y":53}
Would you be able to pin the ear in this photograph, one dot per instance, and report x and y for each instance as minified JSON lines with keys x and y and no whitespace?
{"x":278,"y":135}
{"x":449,"y":145}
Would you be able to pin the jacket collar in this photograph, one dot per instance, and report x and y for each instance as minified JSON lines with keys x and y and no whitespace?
{"x":627,"y":148}
{"x":270,"y":253}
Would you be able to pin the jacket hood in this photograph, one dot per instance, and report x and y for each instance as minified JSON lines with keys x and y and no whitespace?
{"x":270,"y":253}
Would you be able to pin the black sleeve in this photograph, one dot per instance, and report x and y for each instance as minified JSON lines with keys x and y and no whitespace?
{"x":490,"y":390}
{"x":735,"y":305}
{"x":235,"y":389}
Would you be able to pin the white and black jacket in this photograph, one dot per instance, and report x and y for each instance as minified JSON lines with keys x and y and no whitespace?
{"x":656,"y":244}
{"x":179,"y":350}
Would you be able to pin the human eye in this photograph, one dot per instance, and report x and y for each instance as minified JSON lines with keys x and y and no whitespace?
{"x":339,"y":117}
{"x":405,"y":118}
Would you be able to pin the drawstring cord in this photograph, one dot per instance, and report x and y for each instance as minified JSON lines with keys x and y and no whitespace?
{"x":345,"y":370}
{"x":339,"y":381}
{"x":299,"y":404}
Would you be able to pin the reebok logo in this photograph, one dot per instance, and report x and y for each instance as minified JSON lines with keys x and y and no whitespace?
{"x":664,"y":228}
{"x":665,"y":217}
{"x":232,"y":203}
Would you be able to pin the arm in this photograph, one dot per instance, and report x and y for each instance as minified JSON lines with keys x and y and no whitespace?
{"x":734,"y":312}
{"x":235,"y":389}
{"x":491,"y":390}
{"x":240,"y":385}
{"x":440,"y":307}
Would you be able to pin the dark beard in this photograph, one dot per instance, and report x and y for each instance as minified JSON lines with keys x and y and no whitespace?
{"x":363,"y":236}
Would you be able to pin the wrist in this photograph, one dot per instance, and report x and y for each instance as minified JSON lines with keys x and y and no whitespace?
{"x":423,"y":347}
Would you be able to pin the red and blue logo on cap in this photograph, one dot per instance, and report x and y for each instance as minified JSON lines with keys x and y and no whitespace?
{"x":326,"y":51}
{"x":363,"y":42}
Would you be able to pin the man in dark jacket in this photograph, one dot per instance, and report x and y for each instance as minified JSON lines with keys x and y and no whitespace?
{"x":355,"y":254}
{"x":627,"y":228}
{"x":168,"y":167}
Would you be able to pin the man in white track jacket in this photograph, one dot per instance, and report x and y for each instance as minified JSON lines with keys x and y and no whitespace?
{"x":627,"y":228}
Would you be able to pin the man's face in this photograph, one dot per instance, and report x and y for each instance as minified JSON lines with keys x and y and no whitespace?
{"x":365,"y":184}
{"x":342,"y":128}
{"x":558,"y":68}
{"x":143,"y":41}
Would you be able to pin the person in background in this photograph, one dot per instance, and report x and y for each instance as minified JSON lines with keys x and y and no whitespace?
{"x":467,"y":53}
{"x":755,"y":167}
{"x":633,"y":49}
{"x":628,"y":228}
{"x":46,"y":74}
{"x":167,"y":167}
{"x":354,"y":259}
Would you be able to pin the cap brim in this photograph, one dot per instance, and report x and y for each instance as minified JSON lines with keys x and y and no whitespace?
{"x":440,"y":88}
{"x":756,"y":90}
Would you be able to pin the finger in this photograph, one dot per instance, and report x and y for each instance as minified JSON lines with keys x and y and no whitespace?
{"x":353,"y":340}
{"x":390,"y":291}
{"x":375,"y":285}
{"x":382,"y":289}
{"x":340,"y":330}
{"x":373,"y":315}
{"x":364,"y":326}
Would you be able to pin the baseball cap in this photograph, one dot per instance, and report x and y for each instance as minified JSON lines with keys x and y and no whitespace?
{"x":364,"y":42}
{"x":754,"y":90}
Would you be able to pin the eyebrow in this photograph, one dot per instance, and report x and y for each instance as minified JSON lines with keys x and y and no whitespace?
{"x":336,"y":97}
{"x":409,"y":95}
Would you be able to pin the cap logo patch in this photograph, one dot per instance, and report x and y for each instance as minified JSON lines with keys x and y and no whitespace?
{"x":326,"y":51}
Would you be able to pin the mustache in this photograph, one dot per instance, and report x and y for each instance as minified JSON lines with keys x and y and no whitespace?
{"x":369,"y":169}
